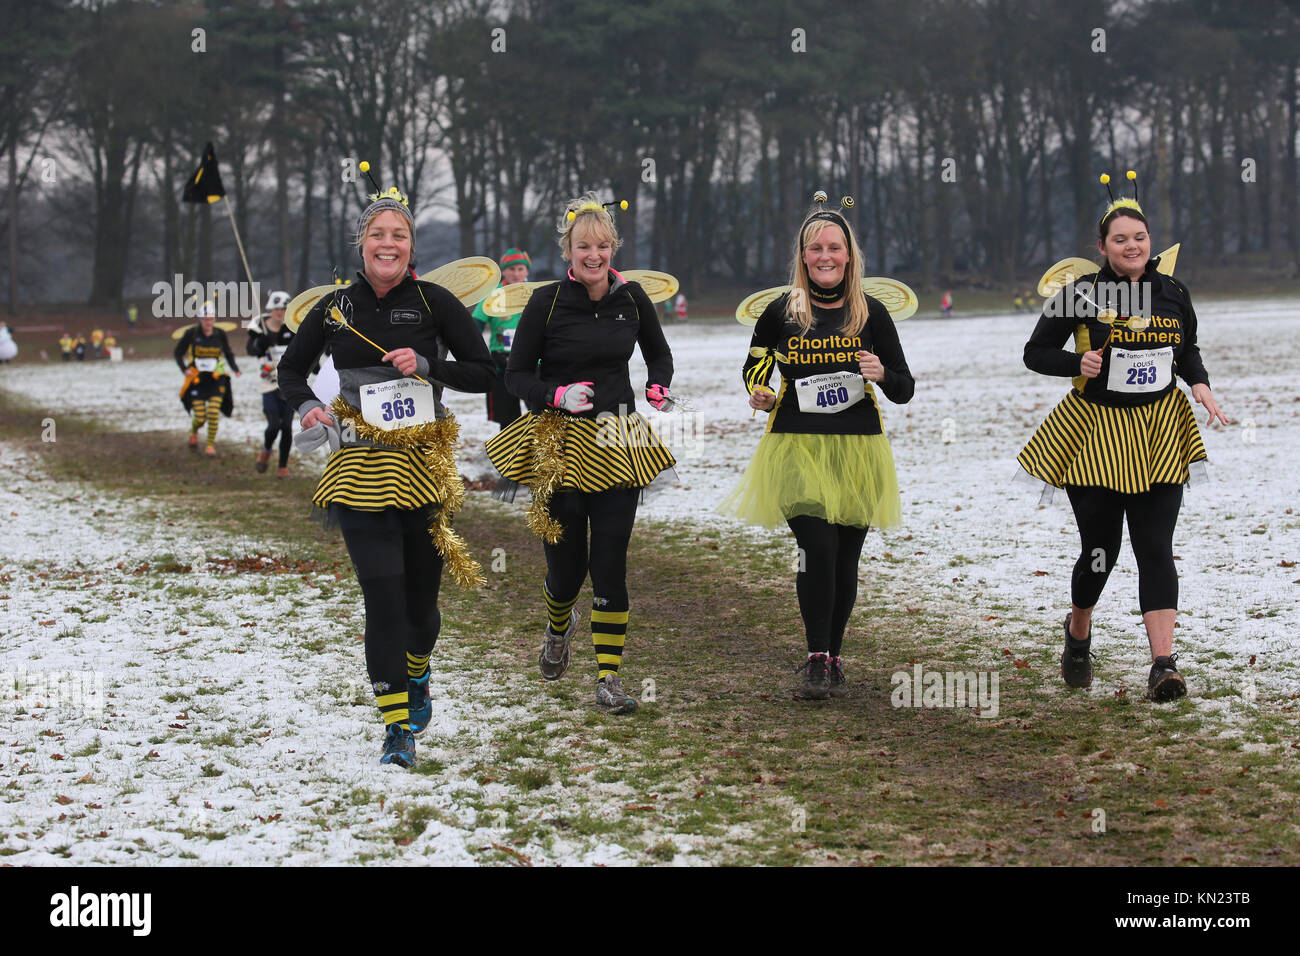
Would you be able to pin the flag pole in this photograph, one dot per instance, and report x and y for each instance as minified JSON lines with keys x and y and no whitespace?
{"x":239,"y":243}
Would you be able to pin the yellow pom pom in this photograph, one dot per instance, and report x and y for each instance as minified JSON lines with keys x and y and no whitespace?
{"x":623,"y":204}
{"x":364,"y":167}
{"x":1131,"y":174}
{"x":572,"y":216}
{"x":1105,"y":178}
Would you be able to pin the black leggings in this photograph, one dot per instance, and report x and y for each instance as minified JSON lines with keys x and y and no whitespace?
{"x":1152,"y":515}
{"x":279,"y":421}
{"x":827,"y":581}
{"x":399,"y":571}
{"x":611,"y":515}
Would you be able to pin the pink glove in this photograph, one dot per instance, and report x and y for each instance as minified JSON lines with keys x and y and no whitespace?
{"x":657,"y":396}
{"x":575,"y":397}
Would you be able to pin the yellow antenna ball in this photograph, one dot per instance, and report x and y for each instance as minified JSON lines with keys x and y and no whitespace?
{"x":819,"y":196}
{"x":1105,"y":178}
{"x":364,"y":167}
{"x":623,"y":204}
{"x":572,"y":216}
{"x":1131,"y":174}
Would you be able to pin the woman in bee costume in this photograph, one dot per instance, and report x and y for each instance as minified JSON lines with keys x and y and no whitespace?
{"x":824,"y":467}
{"x":1124,"y":441}
{"x":204,"y":356}
{"x":583,"y":449}
{"x":391,"y":484}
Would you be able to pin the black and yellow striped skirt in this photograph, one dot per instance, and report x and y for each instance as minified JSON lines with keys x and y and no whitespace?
{"x":1124,"y":449}
{"x":372,"y":479}
{"x":615,"y":451}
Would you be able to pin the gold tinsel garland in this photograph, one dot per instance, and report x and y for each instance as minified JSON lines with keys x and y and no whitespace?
{"x":548,"y":472}
{"x":436,"y":441}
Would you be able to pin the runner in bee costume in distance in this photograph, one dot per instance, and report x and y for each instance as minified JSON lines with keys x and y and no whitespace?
{"x":204,"y":355}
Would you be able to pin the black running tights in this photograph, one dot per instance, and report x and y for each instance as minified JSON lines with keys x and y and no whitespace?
{"x":611,"y":515}
{"x":1152,"y":515}
{"x":399,"y":571}
{"x":827,"y":581}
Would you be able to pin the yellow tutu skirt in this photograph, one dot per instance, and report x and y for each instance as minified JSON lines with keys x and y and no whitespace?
{"x":844,"y":479}
{"x":1124,"y":449}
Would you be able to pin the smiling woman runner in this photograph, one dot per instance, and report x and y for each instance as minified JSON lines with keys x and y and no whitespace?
{"x":391,"y":484}
{"x":824,"y":466}
{"x":583,"y":449}
{"x":1124,"y":440}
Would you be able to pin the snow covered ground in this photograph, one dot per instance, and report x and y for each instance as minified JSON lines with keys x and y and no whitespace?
{"x":197,"y":663}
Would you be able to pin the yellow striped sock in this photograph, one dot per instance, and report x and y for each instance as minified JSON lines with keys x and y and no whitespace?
{"x":417,"y":665}
{"x":395,"y":708}
{"x":557,"y":611}
{"x":608,"y":634}
{"x":214,"y":418}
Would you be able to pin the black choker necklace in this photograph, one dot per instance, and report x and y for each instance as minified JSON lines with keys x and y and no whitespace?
{"x":833,"y":294}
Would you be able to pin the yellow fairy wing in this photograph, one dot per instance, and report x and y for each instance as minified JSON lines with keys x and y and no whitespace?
{"x":177,"y":333}
{"x":750,"y":310}
{"x":895,"y":296}
{"x":1062,"y":274}
{"x":659,"y":286}
{"x":1168,"y":259}
{"x":302,"y":303}
{"x":470,"y":279}
{"x":504,"y":301}
{"x":226,"y":326}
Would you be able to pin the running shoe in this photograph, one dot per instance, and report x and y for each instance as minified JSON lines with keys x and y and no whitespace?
{"x":1165,"y":683}
{"x":282,"y":473}
{"x":1076,"y":660}
{"x":193,"y":443}
{"x":420,"y":706}
{"x":210,"y":452}
{"x":399,"y":746}
{"x":839,"y":686}
{"x":816,"y":679}
{"x":612,"y":697}
{"x":554,"y":658}
{"x":260,"y":461}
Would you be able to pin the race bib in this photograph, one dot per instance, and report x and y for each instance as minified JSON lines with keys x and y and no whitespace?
{"x":205,"y":364}
{"x":277,"y":353}
{"x":1150,"y":370}
{"x":829,"y":393}
{"x":397,"y":404}
{"x":507,"y":337}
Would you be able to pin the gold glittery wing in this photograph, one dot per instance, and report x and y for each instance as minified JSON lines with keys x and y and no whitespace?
{"x":1062,"y":274}
{"x":895,"y":296}
{"x":504,"y":301}
{"x":659,"y":286}
{"x":302,"y":303}
{"x":751,"y":309}
{"x":470,"y":279}
{"x":1168,"y":259}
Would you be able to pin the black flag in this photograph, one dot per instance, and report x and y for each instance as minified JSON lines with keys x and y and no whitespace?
{"x":205,"y":185}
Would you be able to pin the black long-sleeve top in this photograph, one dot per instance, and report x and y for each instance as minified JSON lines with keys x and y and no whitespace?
{"x":1173,"y":325}
{"x":195,"y":345}
{"x":260,"y":343}
{"x":564,"y":337}
{"x":825,"y":348}
{"x":401,"y":319}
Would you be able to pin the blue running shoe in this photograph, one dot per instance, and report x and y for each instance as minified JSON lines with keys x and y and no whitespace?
{"x":420,"y":706}
{"x":399,"y":746}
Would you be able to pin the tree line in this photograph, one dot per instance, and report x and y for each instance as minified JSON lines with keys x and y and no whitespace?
{"x":969,"y":132}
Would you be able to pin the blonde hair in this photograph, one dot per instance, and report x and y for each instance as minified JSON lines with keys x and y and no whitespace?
{"x":586,"y":211}
{"x":797,"y":306}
